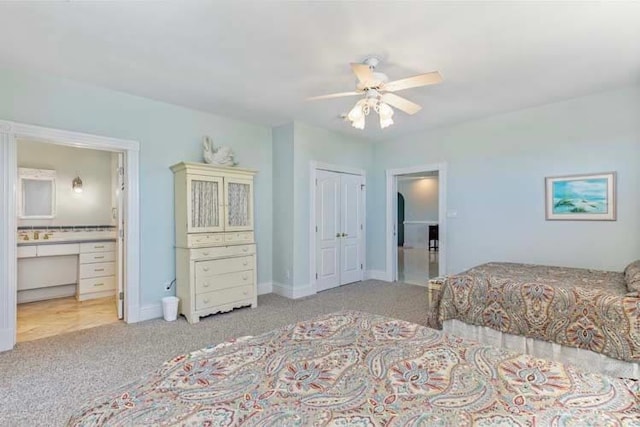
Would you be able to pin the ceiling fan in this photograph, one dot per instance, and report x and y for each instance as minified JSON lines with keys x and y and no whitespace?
{"x":378,"y":93}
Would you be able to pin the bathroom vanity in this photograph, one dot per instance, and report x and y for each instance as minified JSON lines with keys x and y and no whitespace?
{"x":66,"y":262}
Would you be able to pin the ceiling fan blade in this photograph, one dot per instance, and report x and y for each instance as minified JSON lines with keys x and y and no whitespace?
{"x":415,"y":81}
{"x":401,"y":103}
{"x":333,"y":95}
{"x":362,"y":72}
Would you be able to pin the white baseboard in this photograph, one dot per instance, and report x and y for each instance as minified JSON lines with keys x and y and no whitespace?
{"x":150,"y":311}
{"x":265,"y":288}
{"x":288,"y":291}
{"x":7,"y":339}
{"x":375,"y":274}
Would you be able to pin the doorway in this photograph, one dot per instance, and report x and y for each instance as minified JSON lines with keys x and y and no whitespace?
{"x":69,"y":250}
{"x":10,"y":134}
{"x":416,"y":221}
{"x":337,"y":239}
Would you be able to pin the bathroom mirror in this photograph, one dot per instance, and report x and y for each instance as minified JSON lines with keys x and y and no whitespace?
{"x":37,"y":193}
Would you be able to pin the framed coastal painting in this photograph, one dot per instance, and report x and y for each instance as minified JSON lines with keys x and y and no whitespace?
{"x":581,"y":197}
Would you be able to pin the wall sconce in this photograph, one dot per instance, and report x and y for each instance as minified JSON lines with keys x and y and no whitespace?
{"x":77,"y":184}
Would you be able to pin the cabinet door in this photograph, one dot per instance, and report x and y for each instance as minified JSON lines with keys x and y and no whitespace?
{"x":238,"y":204}
{"x":205,"y":204}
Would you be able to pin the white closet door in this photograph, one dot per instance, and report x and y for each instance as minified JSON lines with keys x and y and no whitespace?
{"x":351,"y":233}
{"x":328,"y":232}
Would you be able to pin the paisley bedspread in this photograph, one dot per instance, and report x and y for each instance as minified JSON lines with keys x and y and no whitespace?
{"x":358,"y":369}
{"x":581,"y":308}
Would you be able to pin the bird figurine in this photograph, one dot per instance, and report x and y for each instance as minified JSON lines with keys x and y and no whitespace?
{"x":222,"y":155}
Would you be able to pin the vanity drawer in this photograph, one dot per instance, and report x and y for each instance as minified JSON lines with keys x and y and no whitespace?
{"x":97,"y":247}
{"x":97,"y":257}
{"x":222,"y":251}
{"x":225,"y":296}
{"x":223,"y":281}
{"x":238,"y":237}
{"x":99,"y":269}
{"x":204,"y":239}
{"x":55,"y":250}
{"x":220,"y":266}
{"x":96,"y":284}
{"x":26,"y":251}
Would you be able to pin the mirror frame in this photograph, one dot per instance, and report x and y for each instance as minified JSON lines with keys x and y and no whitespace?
{"x":41,"y":175}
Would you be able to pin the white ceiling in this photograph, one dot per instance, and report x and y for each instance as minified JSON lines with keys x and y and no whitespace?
{"x":258,"y":61}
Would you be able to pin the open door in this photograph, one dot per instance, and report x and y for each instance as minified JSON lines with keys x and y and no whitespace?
{"x":120,"y":189}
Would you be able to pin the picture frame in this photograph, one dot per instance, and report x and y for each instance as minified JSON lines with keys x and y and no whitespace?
{"x":588,"y":197}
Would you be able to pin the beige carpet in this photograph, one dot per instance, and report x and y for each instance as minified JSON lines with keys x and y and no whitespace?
{"x":42,"y":381}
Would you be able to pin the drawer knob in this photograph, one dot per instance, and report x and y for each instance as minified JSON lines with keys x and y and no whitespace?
{"x":99,"y":246}
{"x":245,"y":277}
{"x":205,"y":268}
{"x":99,"y":269}
{"x":206,"y":300}
{"x":99,"y":257}
{"x":245,"y":262}
{"x":98,"y":284}
{"x":245,"y":249}
{"x":245,"y":293}
{"x":205,"y":253}
{"x":205,"y":284}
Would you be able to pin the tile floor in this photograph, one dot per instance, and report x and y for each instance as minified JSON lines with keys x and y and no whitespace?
{"x":417,"y":265}
{"x":57,"y":316}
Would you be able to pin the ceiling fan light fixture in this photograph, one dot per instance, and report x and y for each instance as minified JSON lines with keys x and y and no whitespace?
{"x":385,"y":122}
{"x":357,"y":112}
{"x":359,"y":123}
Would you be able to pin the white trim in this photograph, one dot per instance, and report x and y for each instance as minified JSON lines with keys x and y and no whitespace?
{"x":293,"y":292}
{"x":314,"y":166}
{"x":265,"y":288}
{"x":9,"y":133}
{"x":391,"y":213}
{"x":150,"y":311}
{"x":375,"y":275}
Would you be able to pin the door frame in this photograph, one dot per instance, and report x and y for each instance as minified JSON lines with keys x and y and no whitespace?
{"x":10,"y":132}
{"x":314,"y":166}
{"x":392,"y":212}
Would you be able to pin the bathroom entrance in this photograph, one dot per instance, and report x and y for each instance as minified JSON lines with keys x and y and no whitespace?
{"x":70,"y":261}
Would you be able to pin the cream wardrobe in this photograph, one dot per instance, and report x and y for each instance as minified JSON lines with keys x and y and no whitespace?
{"x":215,"y":245}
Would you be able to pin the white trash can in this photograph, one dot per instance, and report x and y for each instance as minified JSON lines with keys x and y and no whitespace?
{"x":170,"y":308}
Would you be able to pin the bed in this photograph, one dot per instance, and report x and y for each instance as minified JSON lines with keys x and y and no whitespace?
{"x":358,"y":369}
{"x":586,"y":317}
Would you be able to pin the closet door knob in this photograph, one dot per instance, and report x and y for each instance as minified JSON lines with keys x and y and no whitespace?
{"x":337,"y":234}
{"x":344,"y":234}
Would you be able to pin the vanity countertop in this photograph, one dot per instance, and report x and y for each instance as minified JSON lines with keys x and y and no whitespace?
{"x":65,"y":237}
{"x":61,"y":242}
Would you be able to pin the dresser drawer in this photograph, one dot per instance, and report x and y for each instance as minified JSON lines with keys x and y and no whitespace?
{"x":221,"y":266}
{"x":96,"y":284}
{"x":97,"y":247}
{"x":224,"y":296}
{"x":222,"y":251}
{"x":97,"y":257}
{"x":238,"y":237}
{"x":223,"y":281}
{"x":204,"y":239}
{"x":99,"y":269}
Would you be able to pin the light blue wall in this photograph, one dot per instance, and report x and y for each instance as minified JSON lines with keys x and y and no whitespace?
{"x":495,"y":181}
{"x":313,"y":143}
{"x":167,"y":134}
{"x":283,"y":211}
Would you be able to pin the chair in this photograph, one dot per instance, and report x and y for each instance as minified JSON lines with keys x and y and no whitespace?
{"x":433,"y":237}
